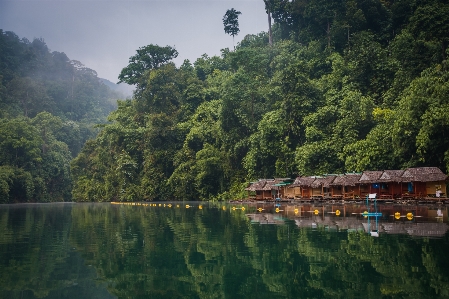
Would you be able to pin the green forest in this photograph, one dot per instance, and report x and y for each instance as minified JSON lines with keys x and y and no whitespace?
{"x":334,"y":86}
{"x":49,"y":106}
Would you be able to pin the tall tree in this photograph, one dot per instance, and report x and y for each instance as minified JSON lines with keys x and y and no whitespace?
{"x":231,"y":23}
{"x":147,"y":58}
{"x":268,"y":9}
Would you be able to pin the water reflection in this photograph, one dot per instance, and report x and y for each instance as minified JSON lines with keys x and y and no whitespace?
{"x":207,"y":250}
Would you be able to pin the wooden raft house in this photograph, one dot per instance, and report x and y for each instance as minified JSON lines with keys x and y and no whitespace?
{"x":267,"y":189}
{"x":256,"y":188}
{"x":345,"y":186}
{"x":369,"y":183}
{"x":423,"y":182}
{"x":302,"y":187}
{"x":392,"y":180}
{"x":411,"y":183}
{"x":321,"y":188}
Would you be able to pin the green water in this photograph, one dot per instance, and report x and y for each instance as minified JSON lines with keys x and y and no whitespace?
{"x":215,"y":251}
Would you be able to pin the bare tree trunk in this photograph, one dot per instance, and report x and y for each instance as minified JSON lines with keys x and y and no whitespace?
{"x":270,"y":36}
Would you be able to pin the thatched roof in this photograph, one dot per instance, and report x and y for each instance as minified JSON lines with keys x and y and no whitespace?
{"x":303,"y":181}
{"x":346,"y":180}
{"x":270,"y":185}
{"x":257,"y":186}
{"x":267,"y":184}
{"x":391,"y":176}
{"x":423,"y":174}
{"x":369,"y":177}
{"x":323,"y":181}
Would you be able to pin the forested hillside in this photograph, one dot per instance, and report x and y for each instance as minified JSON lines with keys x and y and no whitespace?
{"x":49,"y":106}
{"x":346,"y":86}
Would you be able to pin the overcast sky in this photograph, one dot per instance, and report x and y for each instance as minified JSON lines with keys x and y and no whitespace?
{"x":103,"y":34}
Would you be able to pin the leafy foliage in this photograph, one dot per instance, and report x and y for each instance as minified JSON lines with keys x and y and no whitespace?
{"x":48,"y":108}
{"x":348,"y":86}
{"x":231,"y":22}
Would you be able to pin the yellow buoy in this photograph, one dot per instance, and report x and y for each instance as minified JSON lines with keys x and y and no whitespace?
{"x":187,"y":206}
{"x":169,"y":205}
{"x":233,"y":208}
{"x":337,"y":212}
{"x":409,"y":216}
{"x":277,"y":210}
{"x":224,"y":208}
{"x":397,"y":215}
{"x":296,"y":211}
{"x":260,"y":209}
{"x":200,"y":207}
{"x":177,"y":206}
{"x":243,"y":208}
{"x":316,"y":212}
{"x":160,"y":204}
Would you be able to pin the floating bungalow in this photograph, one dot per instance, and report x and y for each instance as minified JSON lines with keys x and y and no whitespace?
{"x":369,"y":183}
{"x":424,"y":182}
{"x":321,"y":187}
{"x":411,"y":183}
{"x":345,"y":186}
{"x":302,"y":187}
{"x":257,"y":188}
{"x":268,"y":188}
{"x":392,"y":182}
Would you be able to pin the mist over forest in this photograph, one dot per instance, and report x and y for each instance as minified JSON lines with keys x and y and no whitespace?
{"x":49,"y":107}
{"x":335,"y":86}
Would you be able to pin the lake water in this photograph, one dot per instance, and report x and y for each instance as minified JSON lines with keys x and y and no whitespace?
{"x":213,"y":250}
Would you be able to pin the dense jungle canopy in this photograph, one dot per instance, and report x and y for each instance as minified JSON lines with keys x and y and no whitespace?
{"x":49,"y":106}
{"x":345,"y":86}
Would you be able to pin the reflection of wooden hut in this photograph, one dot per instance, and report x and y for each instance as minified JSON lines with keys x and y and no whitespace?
{"x":321,"y":188}
{"x":345,"y":186}
{"x":369,"y":183}
{"x":302,"y":187}
{"x":265,"y":218}
{"x":393,"y":182}
{"x":416,"y":229}
{"x":255,"y":190}
{"x":424,"y":181}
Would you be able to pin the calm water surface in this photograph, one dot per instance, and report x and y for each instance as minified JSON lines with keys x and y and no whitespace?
{"x":206,"y":250}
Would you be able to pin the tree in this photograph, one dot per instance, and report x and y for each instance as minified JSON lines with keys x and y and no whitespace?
{"x":147,"y":58}
{"x":231,"y":23}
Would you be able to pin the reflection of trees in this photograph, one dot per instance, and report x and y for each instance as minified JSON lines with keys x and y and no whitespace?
{"x":35,"y":243}
{"x":374,"y":267}
{"x":141,"y":252}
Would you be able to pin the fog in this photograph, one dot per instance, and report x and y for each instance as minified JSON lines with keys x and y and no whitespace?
{"x":103,"y":34}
